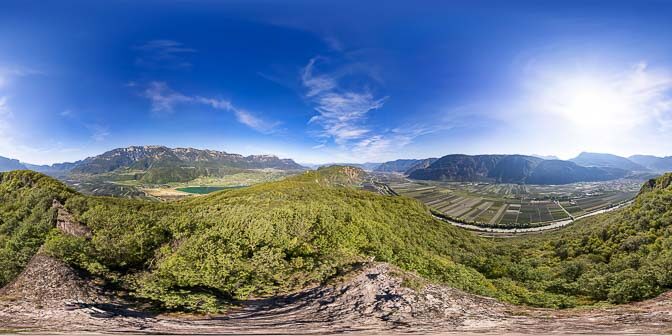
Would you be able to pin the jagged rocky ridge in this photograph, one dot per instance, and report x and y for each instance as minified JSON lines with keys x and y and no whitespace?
{"x":148,"y":157}
{"x":10,"y":164}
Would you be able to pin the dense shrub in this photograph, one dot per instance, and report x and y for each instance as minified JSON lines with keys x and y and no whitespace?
{"x":200,"y":253}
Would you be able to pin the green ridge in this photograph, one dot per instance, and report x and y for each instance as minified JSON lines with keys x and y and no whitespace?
{"x":199,"y":253}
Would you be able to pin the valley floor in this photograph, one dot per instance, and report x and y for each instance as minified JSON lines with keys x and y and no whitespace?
{"x":373,"y":300}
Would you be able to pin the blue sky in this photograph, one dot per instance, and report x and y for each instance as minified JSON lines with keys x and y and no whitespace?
{"x":346,"y":81}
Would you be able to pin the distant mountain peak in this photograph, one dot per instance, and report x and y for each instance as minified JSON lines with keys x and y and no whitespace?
{"x":405,"y":166}
{"x":546,"y":157}
{"x":655,"y":163}
{"x":512,"y":169}
{"x":7,"y":164}
{"x":589,"y":159}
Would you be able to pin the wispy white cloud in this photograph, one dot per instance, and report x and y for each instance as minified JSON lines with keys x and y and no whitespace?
{"x":316,"y":84}
{"x":4,"y":122}
{"x":243,"y":116}
{"x":98,"y":132}
{"x":9,"y":72}
{"x":167,"y":48}
{"x":3,"y":104}
{"x":342,"y":112}
{"x":163,"y":53}
{"x":164,"y":100}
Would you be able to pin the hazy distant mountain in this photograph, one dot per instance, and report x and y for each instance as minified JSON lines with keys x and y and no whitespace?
{"x":655,"y":163}
{"x":55,"y":169}
{"x":404,"y":165}
{"x":606,"y":160}
{"x":460,"y":167}
{"x":563,"y":172}
{"x":155,"y":157}
{"x":10,"y":164}
{"x":422,"y":164}
{"x":512,"y":169}
{"x":368,"y":166}
{"x":546,"y":157}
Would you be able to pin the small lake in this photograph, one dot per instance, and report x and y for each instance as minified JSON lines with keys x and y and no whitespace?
{"x":204,"y":190}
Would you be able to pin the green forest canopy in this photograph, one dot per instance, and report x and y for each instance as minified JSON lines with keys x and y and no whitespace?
{"x":200,"y":253}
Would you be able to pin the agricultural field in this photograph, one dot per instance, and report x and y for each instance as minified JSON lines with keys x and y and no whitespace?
{"x":126,"y":184}
{"x":205,"y":185}
{"x":512,"y":205}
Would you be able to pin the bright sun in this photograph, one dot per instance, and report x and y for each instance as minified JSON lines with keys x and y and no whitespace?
{"x":590,"y":103}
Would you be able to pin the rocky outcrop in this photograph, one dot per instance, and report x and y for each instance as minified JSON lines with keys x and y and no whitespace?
{"x":67,"y":223}
{"x":48,"y":282}
{"x":374,"y":299}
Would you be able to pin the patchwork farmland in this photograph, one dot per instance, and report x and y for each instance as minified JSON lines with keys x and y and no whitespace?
{"x":511,"y":205}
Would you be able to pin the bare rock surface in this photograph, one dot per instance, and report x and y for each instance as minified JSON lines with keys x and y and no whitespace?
{"x":49,"y":296}
{"x":67,"y":223}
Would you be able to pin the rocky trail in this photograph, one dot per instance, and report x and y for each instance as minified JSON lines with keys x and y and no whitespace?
{"x":49,"y":296}
{"x":376,"y":298}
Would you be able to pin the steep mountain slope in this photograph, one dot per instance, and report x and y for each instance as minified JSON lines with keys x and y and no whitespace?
{"x":606,"y":160}
{"x":420,"y":165}
{"x":273,"y":238}
{"x":459,"y":167}
{"x":512,"y":169}
{"x":564,"y":172}
{"x":657,"y":164}
{"x":398,"y":166}
{"x":10,"y":164}
{"x":368,"y":166}
{"x":26,"y":216}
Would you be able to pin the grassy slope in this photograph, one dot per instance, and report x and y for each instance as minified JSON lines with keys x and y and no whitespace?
{"x":198,"y":253}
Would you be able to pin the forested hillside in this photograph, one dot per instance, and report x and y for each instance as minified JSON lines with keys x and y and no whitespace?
{"x":200,"y":253}
{"x":512,"y":169}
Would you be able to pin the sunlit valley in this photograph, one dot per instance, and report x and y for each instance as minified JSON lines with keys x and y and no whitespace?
{"x":335,"y":167}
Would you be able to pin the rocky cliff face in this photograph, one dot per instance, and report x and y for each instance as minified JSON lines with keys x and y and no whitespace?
{"x":67,"y":223}
{"x":397,"y":166}
{"x":10,"y":164}
{"x":147,"y":157}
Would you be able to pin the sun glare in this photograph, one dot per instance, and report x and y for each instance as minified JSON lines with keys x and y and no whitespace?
{"x":592,"y":103}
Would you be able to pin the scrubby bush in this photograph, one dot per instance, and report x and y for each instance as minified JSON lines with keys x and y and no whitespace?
{"x":199,"y":254}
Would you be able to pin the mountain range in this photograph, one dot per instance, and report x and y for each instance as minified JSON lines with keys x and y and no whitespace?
{"x":161,"y":164}
{"x":512,"y":169}
{"x":530,"y":169}
{"x":151,"y":157}
{"x":366,"y":166}
{"x":607,"y":160}
{"x":654,"y":163}
{"x":10,"y":164}
{"x":405,"y":166}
